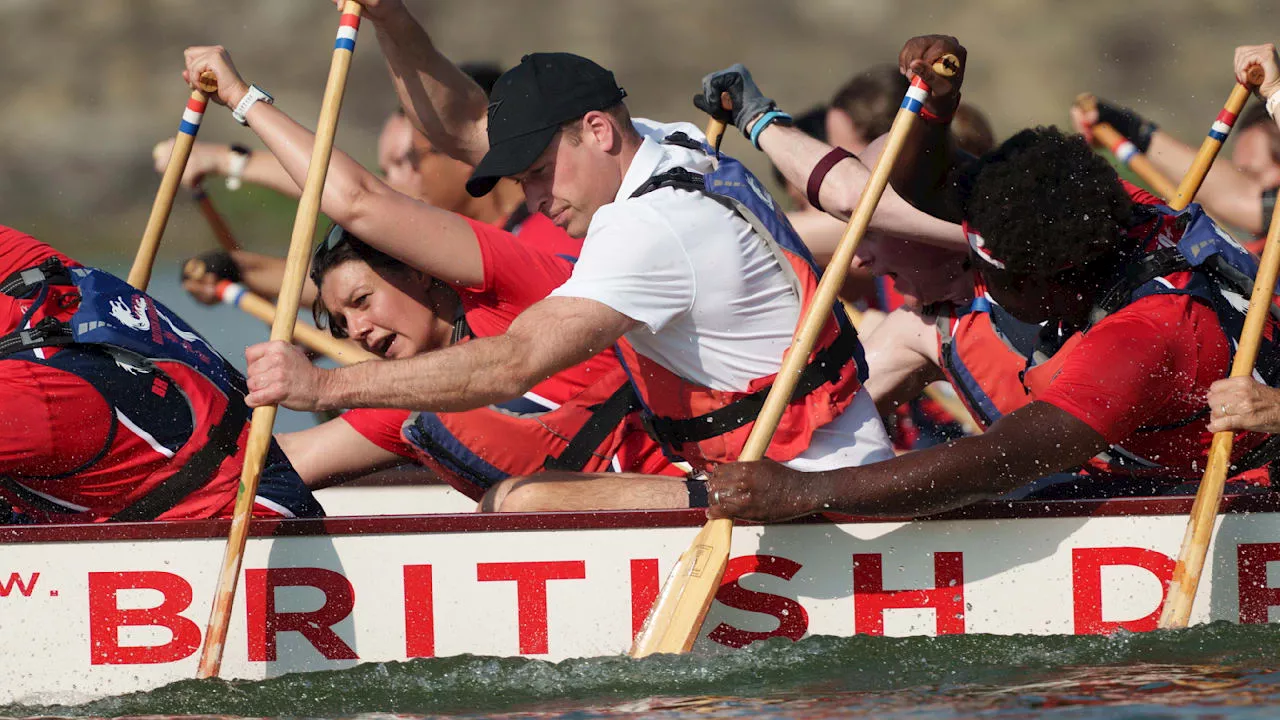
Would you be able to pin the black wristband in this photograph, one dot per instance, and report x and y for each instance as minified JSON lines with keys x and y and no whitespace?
{"x":1268,"y":207}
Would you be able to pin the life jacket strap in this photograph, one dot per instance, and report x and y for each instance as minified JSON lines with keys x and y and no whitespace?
{"x":605,"y":417}
{"x":824,"y":368}
{"x":197,"y":472}
{"x":23,"y":283}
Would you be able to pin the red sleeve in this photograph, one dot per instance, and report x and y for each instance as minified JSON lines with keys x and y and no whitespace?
{"x":1140,"y":196}
{"x":36,"y":440}
{"x":1149,"y":364}
{"x":382,"y":428}
{"x":516,"y":276}
{"x":537,"y":231}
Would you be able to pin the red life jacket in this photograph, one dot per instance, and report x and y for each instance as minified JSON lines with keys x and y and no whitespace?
{"x":983,"y":350}
{"x":475,"y":449}
{"x":708,"y":427}
{"x":179,"y":418}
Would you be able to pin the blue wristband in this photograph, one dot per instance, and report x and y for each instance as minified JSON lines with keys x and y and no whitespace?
{"x":765,"y":121}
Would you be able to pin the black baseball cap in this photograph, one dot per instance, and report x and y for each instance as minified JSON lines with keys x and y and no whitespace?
{"x":528,"y":105}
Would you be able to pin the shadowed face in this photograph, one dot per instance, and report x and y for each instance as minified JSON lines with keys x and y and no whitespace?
{"x":393,"y":314}
{"x":576,"y":175}
{"x":414,"y":167}
{"x":923,"y":274}
{"x":1252,"y":154}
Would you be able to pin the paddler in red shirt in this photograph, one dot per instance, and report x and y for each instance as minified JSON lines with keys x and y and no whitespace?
{"x":401,"y":277}
{"x":115,"y":409}
{"x":1142,"y":306}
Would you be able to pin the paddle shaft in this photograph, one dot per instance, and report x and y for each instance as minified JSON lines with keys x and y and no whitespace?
{"x":263,"y":419}
{"x":1128,"y":153}
{"x":715,"y":128}
{"x":1204,"y":512}
{"x":140,"y":273}
{"x":676,"y":618}
{"x":211,"y":215}
{"x":1218,"y":132}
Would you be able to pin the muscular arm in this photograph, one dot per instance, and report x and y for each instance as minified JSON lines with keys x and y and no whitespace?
{"x":1228,"y":194}
{"x":435,"y":241}
{"x":333,"y":453}
{"x":796,"y":154}
{"x":553,"y":335}
{"x":439,"y":99}
{"x":902,"y":358}
{"x":1029,"y":443}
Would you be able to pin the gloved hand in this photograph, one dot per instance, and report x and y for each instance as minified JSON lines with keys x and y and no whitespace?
{"x":1128,"y":123}
{"x":210,"y":267}
{"x":747,"y":100}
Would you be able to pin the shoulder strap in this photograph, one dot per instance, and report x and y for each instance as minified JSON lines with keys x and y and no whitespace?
{"x":604,"y":418}
{"x":223,"y":443}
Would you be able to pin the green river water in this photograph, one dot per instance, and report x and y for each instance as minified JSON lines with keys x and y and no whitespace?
{"x":1215,"y":671}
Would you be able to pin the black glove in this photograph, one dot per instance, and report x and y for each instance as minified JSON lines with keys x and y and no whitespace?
{"x":217,"y":263}
{"x":1128,"y":123}
{"x":747,"y":100}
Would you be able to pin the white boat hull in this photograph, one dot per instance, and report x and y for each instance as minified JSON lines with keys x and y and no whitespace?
{"x":89,"y":611}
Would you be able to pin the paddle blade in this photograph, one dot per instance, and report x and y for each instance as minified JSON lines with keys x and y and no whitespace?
{"x":676,"y":618}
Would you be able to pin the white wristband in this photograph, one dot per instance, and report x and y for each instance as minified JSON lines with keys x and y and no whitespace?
{"x":1273,"y":104}
{"x":254,"y":96}
{"x":235,"y":166}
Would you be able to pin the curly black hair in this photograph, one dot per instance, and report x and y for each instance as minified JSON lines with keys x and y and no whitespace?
{"x":1043,"y":201}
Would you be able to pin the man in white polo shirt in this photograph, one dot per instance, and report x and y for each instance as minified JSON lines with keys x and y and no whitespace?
{"x":701,"y":290}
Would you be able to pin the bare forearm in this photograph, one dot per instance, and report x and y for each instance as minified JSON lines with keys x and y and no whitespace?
{"x":1228,"y":194}
{"x":262,"y":274}
{"x":292,"y":144}
{"x":464,"y":377}
{"x":922,"y":166}
{"x":440,"y":100}
{"x":1023,"y":446}
{"x":797,"y":154}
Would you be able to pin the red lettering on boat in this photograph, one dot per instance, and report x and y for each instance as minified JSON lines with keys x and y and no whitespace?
{"x":870,"y":599}
{"x":644,"y":591}
{"x":106,"y":618}
{"x":793,"y":621}
{"x":419,"y":612}
{"x":25,"y":587}
{"x":1086,"y":586}
{"x":531,"y":594}
{"x":265,"y":622}
{"x":1256,"y":595}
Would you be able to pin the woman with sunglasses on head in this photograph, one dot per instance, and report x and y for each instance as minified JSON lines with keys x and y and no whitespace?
{"x":401,"y":277}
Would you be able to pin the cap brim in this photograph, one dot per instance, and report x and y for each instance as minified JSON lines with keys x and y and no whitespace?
{"x":509,"y":158}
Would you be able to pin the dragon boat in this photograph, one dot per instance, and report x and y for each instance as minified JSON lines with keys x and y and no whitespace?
{"x":107,"y":609}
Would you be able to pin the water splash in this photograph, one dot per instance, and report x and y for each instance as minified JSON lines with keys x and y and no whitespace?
{"x":778,"y":678}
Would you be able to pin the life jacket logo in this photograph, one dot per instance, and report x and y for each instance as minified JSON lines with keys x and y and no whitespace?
{"x":134,"y":319}
{"x":760,"y":193}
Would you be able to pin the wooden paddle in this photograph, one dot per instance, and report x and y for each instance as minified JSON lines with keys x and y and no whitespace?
{"x":1204,"y":511}
{"x":676,"y":617}
{"x":140,"y":273}
{"x":211,"y":215}
{"x":1106,"y":136}
{"x":304,"y":226}
{"x":343,"y":352}
{"x":1218,"y":132}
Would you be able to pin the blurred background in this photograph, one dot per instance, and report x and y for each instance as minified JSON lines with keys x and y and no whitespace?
{"x":92,"y":85}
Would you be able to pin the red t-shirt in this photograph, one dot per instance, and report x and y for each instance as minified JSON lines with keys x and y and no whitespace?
{"x":1148,"y":365}
{"x":517,"y":274}
{"x":539,"y":232}
{"x":34,"y":439}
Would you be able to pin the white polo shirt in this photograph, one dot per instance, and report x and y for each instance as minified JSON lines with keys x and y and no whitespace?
{"x":715,"y":305}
